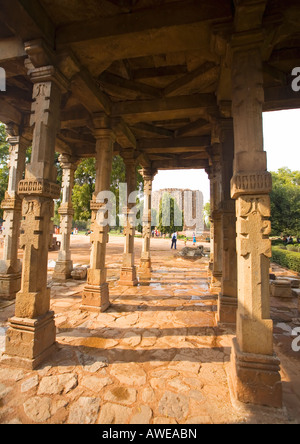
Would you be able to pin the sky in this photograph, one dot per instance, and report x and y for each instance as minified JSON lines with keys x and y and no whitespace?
{"x":281,"y":142}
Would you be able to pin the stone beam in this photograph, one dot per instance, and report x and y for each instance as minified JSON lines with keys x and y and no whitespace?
{"x":9,"y":113}
{"x":178,"y":163}
{"x":160,"y":109}
{"x":28,"y":19}
{"x":142,"y":21}
{"x":124,"y":135}
{"x":147,"y":128}
{"x":280,"y":97}
{"x":117,"y":84}
{"x":200,"y":123}
{"x":163,"y":71}
{"x":183,"y":143}
{"x":248,"y":14}
{"x":11,"y":48}
{"x":202,"y":71}
{"x":85,"y":88}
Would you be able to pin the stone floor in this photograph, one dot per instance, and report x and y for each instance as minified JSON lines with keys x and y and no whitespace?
{"x":156,"y":356}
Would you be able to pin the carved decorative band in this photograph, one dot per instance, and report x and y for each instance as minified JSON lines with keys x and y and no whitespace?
{"x":96,"y":206}
{"x":11,"y":204}
{"x":39,"y":187}
{"x":66,"y":211}
{"x":256,"y":183}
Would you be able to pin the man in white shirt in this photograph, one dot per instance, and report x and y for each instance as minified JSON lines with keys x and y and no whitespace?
{"x":174,"y":241}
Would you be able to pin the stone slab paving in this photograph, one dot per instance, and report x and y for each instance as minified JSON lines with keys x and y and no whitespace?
{"x":156,"y":356}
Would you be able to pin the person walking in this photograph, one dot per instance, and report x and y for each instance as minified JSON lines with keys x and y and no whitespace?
{"x":174,"y":241}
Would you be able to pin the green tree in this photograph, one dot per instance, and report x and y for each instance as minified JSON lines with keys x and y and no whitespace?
{"x":285,"y":202}
{"x":170,"y":215}
{"x":206,"y":214}
{"x":4,"y":168}
{"x":84,"y":186}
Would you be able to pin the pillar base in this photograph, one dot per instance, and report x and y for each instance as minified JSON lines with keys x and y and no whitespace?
{"x":95,"y":298}
{"x":29,"y":341}
{"x":227,"y":309}
{"x":216,"y":282}
{"x":254,"y":378}
{"x":145,"y":266}
{"x":10,"y":285}
{"x":63,"y":270}
{"x":128,"y":277}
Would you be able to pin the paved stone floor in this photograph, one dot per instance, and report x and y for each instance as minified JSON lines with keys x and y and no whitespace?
{"x":156,"y":356}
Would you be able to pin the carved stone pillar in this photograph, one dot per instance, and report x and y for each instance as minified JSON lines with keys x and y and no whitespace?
{"x":227,"y":304}
{"x":128,"y":272}
{"x":216,"y":214}
{"x":64,"y":264}
{"x":31,"y":334}
{"x":211,"y":256}
{"x":145,"y":264}
{"x":10,"y":266}
{"x":255,"y":374}
{"x":96,"y":292}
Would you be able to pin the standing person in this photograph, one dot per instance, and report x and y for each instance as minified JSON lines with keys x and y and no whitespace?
{"x":174,"y":241}
{"x":194,"y":239}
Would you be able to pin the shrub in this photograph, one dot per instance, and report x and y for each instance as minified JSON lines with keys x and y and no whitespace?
{"x":295,"y":248}
{"x":286,"y":258}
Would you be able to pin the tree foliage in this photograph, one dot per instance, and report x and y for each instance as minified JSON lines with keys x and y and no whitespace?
{"x":4,"y":167}
{"x":170,"y":215}
{"x":285,"y":202}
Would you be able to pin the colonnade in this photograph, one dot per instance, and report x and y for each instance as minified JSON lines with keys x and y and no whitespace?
{"x":240,"y":211}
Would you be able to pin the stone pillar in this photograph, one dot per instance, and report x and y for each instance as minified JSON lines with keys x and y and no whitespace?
{"x":31,"y":333}
{"x":96,"y":292}
{"x":216,"y":214}
{"x":227,"y":304}
{"x":255,"y":374}
{"x":128,"y":272}
{"x":10,"y":266}
{"x":64,"y":264}
{"x":145,"y":264}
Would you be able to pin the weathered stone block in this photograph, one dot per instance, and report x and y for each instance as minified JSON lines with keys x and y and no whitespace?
{"x":255,"y":379}
{"x":30,"y":341}
{"x":79,"y":273}
{"x":281,"y":288}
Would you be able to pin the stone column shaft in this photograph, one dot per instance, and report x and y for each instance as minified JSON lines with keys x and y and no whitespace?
{"x":64,"y":264}
{"x":255,"y":369}
{"x":10,"y":266}
{"x":128,"y":272}
{"x":227,"y":304}
{"x":31,"y":335}
{"x":96,"y":292}
{"x":145,"y":264}
{"x":216,"y":216}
